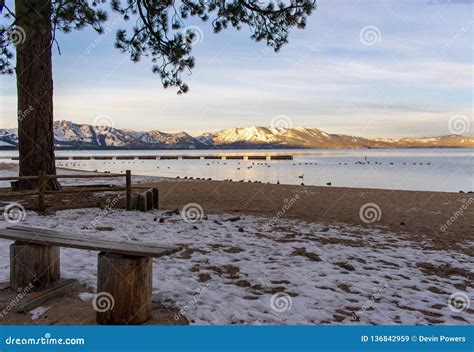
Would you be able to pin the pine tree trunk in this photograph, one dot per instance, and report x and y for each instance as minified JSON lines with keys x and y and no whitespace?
{"x":35,"y":92}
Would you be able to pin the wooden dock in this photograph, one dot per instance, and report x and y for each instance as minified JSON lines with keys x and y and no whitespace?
{"x":174,"y":157}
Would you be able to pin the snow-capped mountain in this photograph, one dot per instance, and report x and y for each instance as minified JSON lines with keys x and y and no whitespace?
{"x":71,"y":135}
{"x":301,"y":137}
{"x":8,"y":137}
{"x":67,"y":133}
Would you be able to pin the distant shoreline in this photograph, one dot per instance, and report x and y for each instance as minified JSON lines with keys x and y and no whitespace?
{"x":258,"y":147}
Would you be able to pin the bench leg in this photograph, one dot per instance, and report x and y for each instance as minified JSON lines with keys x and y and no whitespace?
{"x":33,"y":265}
{"x":127,"y":281}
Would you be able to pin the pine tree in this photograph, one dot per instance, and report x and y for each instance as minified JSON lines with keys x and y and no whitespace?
{"x":158,"y":32}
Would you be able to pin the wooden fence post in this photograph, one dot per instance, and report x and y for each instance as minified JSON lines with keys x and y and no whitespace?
{"x":156,"y":199}
{"x":41,"y":191}
{"x":128,"y":185}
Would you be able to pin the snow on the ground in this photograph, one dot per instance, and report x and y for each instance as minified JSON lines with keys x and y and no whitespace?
{"x":231,"y":271}
{"x":39,"y":312}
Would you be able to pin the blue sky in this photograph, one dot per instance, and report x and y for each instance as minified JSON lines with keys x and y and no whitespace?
{"x":413,"y":78}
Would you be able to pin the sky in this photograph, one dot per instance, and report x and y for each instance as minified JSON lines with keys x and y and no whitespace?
{"x":370,"y":68}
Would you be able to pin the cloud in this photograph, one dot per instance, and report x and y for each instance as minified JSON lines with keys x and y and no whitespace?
{"x":449,"y":2}
{"x":418,"y":75}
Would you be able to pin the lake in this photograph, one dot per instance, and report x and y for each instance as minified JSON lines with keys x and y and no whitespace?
{"x":447,"y":170}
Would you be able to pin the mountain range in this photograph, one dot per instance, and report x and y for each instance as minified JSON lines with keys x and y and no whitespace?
{"x":69,"y":135}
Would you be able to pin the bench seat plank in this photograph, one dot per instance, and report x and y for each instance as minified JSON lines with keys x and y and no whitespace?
{"x":56,"y":238}
{"x":85,"y":237}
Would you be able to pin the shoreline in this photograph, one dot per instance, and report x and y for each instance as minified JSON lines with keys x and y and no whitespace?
{"x":422,"y":215}
{"x":441,"y":218}
{"x":255,"y":240}
{"x":274,"y":149}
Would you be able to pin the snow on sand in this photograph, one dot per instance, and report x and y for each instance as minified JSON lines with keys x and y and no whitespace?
{"x":243,"y":272}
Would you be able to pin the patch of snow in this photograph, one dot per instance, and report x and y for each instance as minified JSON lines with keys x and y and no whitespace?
{"x":6,"y":144}
{"x":38,"y":312}
{"x":86,"y":296}
{"x":229,"y":271}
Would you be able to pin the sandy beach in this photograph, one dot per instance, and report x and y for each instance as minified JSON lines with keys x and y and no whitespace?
{"x":237,"y":176}
{"x":420,"y":214}
{"x":315,"y":248}
{"x":441,"y":219}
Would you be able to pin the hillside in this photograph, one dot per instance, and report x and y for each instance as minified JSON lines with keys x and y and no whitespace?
{"x":70,"y":135}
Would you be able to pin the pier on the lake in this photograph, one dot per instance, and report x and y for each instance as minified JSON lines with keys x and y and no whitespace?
{"x":173,"y":157}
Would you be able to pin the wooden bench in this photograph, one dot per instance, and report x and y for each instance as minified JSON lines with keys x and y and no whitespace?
{"x":124,"y":268}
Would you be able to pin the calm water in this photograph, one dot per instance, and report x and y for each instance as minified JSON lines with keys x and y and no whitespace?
{"x":449,"y":170}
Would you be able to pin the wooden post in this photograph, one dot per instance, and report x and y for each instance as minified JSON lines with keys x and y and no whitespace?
{"x":146,"y":200}
{"x":142,"y":206}
{"x":149,"y":199}
{"x":156,"y":198}
{"x":126,"y":281}
{"x":128,"y":185}
{"x":33,"y":264}
{"x":41,"y":191}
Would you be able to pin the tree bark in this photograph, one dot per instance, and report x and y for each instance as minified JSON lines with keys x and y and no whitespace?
{"x":35,"y":92}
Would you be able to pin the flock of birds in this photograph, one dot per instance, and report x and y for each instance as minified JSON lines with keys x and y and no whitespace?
{"x":240,"y":166}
